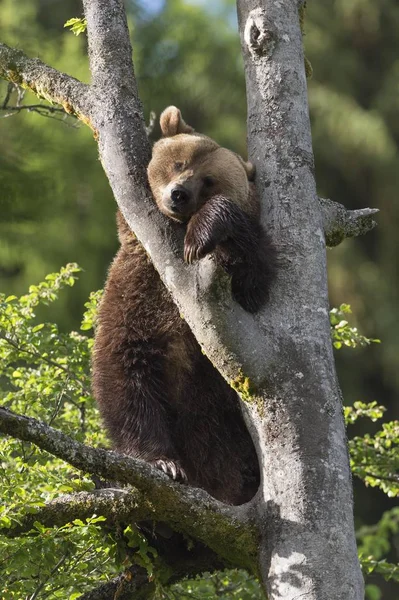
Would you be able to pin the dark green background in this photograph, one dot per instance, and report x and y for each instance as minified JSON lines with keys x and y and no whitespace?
{"x":56,"y":206}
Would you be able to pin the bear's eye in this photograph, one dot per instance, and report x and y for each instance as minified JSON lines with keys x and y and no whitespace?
{"x":208,"y":181}
{"x":178,"y":166}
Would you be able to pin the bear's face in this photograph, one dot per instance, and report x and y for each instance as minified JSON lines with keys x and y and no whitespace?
{"x":187,"y":169}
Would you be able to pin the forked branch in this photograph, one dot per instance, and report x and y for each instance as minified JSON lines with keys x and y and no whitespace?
{"x":227,"y":530}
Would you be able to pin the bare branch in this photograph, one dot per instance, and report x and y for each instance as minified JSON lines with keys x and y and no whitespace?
{"x":43,"y":113}
{"x":51,"y":112}
{"x":227,"y":530}
{"x":45,"y":82}
{"x":340,"y":223}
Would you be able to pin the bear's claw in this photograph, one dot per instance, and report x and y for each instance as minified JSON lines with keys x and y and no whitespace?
{"x":170,"y":468}
{"x":191,"y":253}
{"x":196,"y":248}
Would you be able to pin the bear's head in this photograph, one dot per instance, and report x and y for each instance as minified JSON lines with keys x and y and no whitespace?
{"x":188,"y":168}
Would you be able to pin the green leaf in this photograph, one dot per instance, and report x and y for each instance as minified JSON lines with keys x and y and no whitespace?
{"x":76,"y":25}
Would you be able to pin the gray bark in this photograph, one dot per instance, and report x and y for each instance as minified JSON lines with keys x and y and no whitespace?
{"x":308,"y":547}
{"x":280,"y":360}
{"x":340,"y":223}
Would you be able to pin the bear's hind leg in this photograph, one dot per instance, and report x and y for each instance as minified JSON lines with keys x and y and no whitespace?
{"x":130,"y":390}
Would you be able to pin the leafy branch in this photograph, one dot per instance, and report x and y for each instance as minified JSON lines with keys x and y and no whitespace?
{"x":190,"y":510}
{"x":342,"y":333}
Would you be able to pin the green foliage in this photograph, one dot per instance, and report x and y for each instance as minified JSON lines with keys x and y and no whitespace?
{"x":46,"y":374}
{"x":144,"y":554}
{"x":89,"y":315}
{"x":57,"y":562}
{"x":360,"y":409}
{"x":76,"y":25}
{"x":226,"y":585}
{"x":375,"y":458}
{"x":375,"y":542}
{"x":342,"y":333}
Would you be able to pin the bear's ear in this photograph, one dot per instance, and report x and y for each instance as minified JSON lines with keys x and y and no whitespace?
{"x":249,"y":167}
{"x":250,"y":170}
{"x":172,"y":122}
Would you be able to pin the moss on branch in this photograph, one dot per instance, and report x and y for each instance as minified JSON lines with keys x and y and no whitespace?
{"x":46,"y":83}
{"x":115,"y":504}
{"x":229,"y":531}
{"x":340,"y":223}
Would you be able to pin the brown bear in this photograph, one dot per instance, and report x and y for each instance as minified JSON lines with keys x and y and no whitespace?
{"x":160,"y":398}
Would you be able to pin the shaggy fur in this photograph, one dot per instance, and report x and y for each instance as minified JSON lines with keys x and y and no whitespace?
{"x":160,"y":398}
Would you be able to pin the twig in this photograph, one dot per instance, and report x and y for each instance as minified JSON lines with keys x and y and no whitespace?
{"x":392,"y":478}
{"x":43,"y":111}
{"x":10,"y":88}
{"x":151,"y":123}
{"x":43,"y":583}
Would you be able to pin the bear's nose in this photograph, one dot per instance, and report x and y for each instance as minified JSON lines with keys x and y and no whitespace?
{"x":179,"y":196}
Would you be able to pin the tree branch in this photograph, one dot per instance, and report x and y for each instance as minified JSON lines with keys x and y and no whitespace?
{"x":46,"y":82}
{"x":124,"y":506}
{"x":340,"y":223}
{"x":124,"y":586}
{"x":115,"y":504}
{"x":40,"y":109}
{"x":227,"y":530}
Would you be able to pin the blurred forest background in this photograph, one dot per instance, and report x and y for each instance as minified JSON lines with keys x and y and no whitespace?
{"x":56,"y":205}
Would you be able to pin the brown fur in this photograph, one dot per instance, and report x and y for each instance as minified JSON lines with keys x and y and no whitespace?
{"x":160,"y":397}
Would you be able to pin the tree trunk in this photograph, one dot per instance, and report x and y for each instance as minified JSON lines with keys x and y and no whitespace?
{"x":308,"y":547}
{"x":279,"y":360}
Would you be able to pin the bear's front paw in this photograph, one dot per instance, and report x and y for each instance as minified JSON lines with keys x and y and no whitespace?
{"x":196,"y":247}
{"x":170,"y":468}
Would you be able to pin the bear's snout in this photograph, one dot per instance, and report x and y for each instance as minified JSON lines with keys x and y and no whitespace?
{"x":179,"y":197}
{"x":178,"y":201}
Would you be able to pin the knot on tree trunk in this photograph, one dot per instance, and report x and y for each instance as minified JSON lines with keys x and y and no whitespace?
{"x":259,"y":35}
